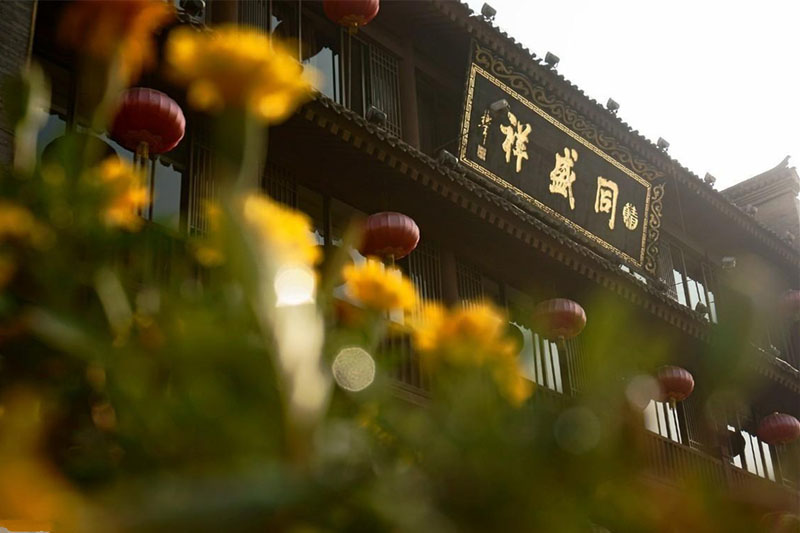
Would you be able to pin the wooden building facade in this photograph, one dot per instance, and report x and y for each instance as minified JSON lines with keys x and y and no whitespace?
{"x":564,"y":199}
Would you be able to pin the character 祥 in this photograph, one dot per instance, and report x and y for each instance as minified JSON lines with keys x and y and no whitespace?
{"x":606,"y":199}
{"x":563,"y":175}
{"x":516,"y":142}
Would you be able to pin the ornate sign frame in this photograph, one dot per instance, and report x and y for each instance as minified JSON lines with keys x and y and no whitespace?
{"x":568,"y":121}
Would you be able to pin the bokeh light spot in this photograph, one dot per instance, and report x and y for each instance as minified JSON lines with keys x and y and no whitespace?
{"x":295,"y":285}
{"x":353,"y":369}
{"x":641,"y":389}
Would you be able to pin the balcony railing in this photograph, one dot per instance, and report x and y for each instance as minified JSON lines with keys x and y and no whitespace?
{"x":676,"y":464}
{"x":673,"y":463}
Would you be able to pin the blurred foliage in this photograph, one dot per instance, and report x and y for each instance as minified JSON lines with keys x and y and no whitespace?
{"x":150,"y":382}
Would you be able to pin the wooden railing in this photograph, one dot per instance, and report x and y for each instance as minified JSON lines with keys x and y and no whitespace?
{"x":673,"y":462}
{"x":677,"y":464}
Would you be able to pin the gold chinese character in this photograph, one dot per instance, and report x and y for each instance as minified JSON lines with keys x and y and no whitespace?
{"x":630,"y":216}
{"x":482,"y":152}
{"x":563,"y":176}
{"x":486,"y":119}
{"x":606,"y":200}
{"x":516,"y":142}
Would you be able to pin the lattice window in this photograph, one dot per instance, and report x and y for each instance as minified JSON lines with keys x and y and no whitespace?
{"x":255,"y":13}
{"x":202,"y":188}
{"x":757,"y":457}
{"x":693,"y":417}
{"x":666,"y":269}
{"x":662,"y":418}
{"x":577,"y":371}
{"x":425,"y":271}
{"x":384,"y":86}
{"x":470,"y":288}
{"x":280,"y":184}
{"x":540,"y":360}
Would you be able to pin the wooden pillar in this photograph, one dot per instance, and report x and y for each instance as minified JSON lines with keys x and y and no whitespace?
{"x":225,"y":11}
{"x":408,"y":96}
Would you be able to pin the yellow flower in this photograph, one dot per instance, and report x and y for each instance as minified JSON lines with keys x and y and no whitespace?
{"x":127,"y":193}
{"x":471,"y":336}
{"x":379,"y":287}
{"x":7,"y":269}
{"x":233,"y":67}
{"x":17,"y":223}
{"x":32,"y":491}
{"x":102,"y":29}
{"x":284,"y":231}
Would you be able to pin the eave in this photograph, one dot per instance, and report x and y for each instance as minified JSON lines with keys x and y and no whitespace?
{"x":480,"y":197}
{"x":521,"y":58}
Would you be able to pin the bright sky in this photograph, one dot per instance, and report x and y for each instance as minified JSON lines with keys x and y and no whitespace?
{"x":719,"y":80}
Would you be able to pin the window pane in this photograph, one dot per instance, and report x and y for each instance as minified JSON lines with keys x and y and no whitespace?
{"x":321,"y":44}
{"x":310,"y":202}
{"x":768,"y":460}
{"x":556,"y":365}
{"x":749,"y":459}
{"x":326,"y":62}
{"x":674,"y":428}
{"x":681,"y":294}
{"x":712,"y":306}
{"x":53,"y":128}
{"x":538,"y":353}
{"x":651,"y":417}
{"x":167,"y":183}
{"x":737,"y":459}
{"x":526,"y":354}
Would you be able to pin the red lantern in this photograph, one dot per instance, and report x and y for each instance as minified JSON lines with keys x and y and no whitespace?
{"x":778,"y":428}
{"x":148,"y":121}
{"x":780,"y":523}
{"x":389,"y":235}
{"x":791,"y":303}
{"x":559,"y":318}
{"x":351,"y":14}
{"x":676,"y":383}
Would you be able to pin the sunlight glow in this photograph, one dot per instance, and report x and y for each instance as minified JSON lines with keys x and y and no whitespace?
{"x":295,"y":285}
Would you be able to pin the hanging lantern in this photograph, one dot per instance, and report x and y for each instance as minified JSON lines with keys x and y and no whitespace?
{"x":389,"y":235}
{"x":791,"y":303}
{"x":352,"y":14}
{"x":778,"y":428}
{"x":780,"y":523}
{"x":148,"y":121}
{"x":676,"y":383}
{"x":559,"y":318}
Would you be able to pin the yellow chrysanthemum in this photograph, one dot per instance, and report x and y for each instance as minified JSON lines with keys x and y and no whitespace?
{"x":7,"y":269}
{"x":18,"y":223}
{"x":127,"y":193}
{"x":233,"y":67}
{"x":286,"y":232}
{"x":471,"y":336}
{"x":379,"y":287}
{"x":102,"y":29}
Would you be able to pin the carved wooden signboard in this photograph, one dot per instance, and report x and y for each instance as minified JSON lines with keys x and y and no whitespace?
{"x":523,"y":147}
